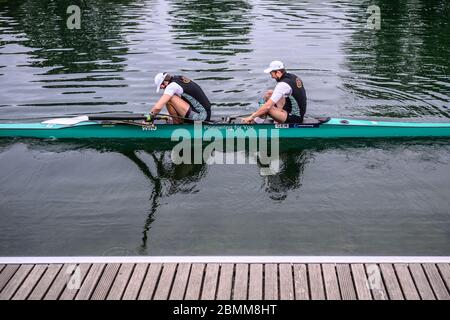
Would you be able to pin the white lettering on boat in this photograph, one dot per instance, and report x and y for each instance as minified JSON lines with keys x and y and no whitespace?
{"x":191,"y":149}
{"x":149,"y":128}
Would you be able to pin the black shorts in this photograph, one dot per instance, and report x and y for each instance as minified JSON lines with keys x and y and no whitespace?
{"x":292,"y":118}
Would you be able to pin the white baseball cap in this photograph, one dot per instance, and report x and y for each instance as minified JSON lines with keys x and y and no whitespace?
{"x":274,"y":65}
{"x":159,"y":78}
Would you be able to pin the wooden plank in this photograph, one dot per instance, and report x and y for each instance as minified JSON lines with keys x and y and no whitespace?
{"x":436,"y":282}
{"x":45,"y":282}
{"x":210,"y":282}
{"x":301,"y":282}
{"x":240,"y":290}
{"x":361,"y":283}
{"x":75,"y":282}
{"x":444,"y":268}
{"x":286,"y":282}
{"x":375,"y":282}
{"x":135,"y":283}
{"x":165,"y":282}
{"x":255,"y":290}
{"x":7,"y":273}
{"x":90,"y":282}
{"x":348,"y":291}
{"x":331,"y":282}
{"x":14,"y":283}
{"x":150,"y":281}
{"x":120,"y":282}
{"x":105,"y":282}
{"x":422,"y":284}
{"x":392,"y":286}
{"x":271,"y":281}
{"x":180,"y":282}
{"x":316,"y":282}
{"x":406,"y":282}
{"x":195,"y":281}
{"x":60,"y":282}
{"x":30,"y":282}
{"x":225,"y":281}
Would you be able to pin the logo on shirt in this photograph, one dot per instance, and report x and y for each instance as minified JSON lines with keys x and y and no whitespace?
{"x":299,"y":83}
{"x":185,"y":80}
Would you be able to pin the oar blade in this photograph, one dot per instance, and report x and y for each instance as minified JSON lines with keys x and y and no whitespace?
{"x":67,"y":121}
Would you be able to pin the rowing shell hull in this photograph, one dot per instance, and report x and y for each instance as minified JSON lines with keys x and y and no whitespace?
{"x":334,"y":128}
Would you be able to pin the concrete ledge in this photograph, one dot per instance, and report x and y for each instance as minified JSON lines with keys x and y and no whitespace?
{"x":227,"y":259}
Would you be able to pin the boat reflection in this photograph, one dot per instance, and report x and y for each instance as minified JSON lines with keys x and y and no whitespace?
{"x":167,"y":179}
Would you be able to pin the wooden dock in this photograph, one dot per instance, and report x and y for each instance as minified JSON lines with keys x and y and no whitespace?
{"x":225,"y":278}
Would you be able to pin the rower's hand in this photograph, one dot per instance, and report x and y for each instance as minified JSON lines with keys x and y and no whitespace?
{"x":247,"y":120}
{"x":150,"y":117}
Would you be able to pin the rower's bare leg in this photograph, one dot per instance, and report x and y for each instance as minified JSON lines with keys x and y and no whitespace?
{"x":173,"y":112}
{"x":277,"y":114}
{"x":177,"y":107}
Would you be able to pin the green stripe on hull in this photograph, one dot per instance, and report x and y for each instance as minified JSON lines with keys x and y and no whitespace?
{"x":334,"y":128}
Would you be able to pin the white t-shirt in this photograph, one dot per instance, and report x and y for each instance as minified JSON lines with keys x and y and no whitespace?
{"x":173,"y":88}
{"x":282,"y":89}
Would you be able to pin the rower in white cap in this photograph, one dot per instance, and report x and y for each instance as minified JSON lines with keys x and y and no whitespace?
{"x":287,"y":102}
{"x":183,"y":98}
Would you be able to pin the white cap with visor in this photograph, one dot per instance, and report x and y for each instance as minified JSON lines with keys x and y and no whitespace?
{"x":159,"y":78}
{"x":274,"y":66}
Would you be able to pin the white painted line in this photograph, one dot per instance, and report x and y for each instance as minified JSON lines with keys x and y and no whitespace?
{"x":227,"y":259}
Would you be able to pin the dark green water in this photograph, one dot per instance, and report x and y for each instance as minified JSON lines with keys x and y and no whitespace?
{"x":383,"y":197}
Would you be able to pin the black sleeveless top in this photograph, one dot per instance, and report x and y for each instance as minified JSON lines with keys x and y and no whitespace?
{"x":193,"y":89}
{"x":297,"y":105}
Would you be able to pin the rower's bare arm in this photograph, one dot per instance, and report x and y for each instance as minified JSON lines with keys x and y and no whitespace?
{"x":161,"y":103}
{"x":264,"y":109}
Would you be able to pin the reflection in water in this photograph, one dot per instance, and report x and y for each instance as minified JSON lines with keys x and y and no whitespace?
{"x":325,"y":177}
{"x":215,"y":35}
{"x":72,"y":62}
{"x":292,"y":165}
{"x":211,"y":27}
{"x":401,"y":70}
{"x":61,"y":50}
{"x":167,"y":179}
{"x":406,"y":62}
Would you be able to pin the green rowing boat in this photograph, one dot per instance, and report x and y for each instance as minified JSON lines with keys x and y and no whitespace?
{"x":133,"y":126}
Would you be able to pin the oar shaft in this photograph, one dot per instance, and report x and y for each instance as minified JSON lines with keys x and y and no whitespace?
{"x":184,"y":118}
{"x":125,"y":116}
{"x":133,"y":117}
